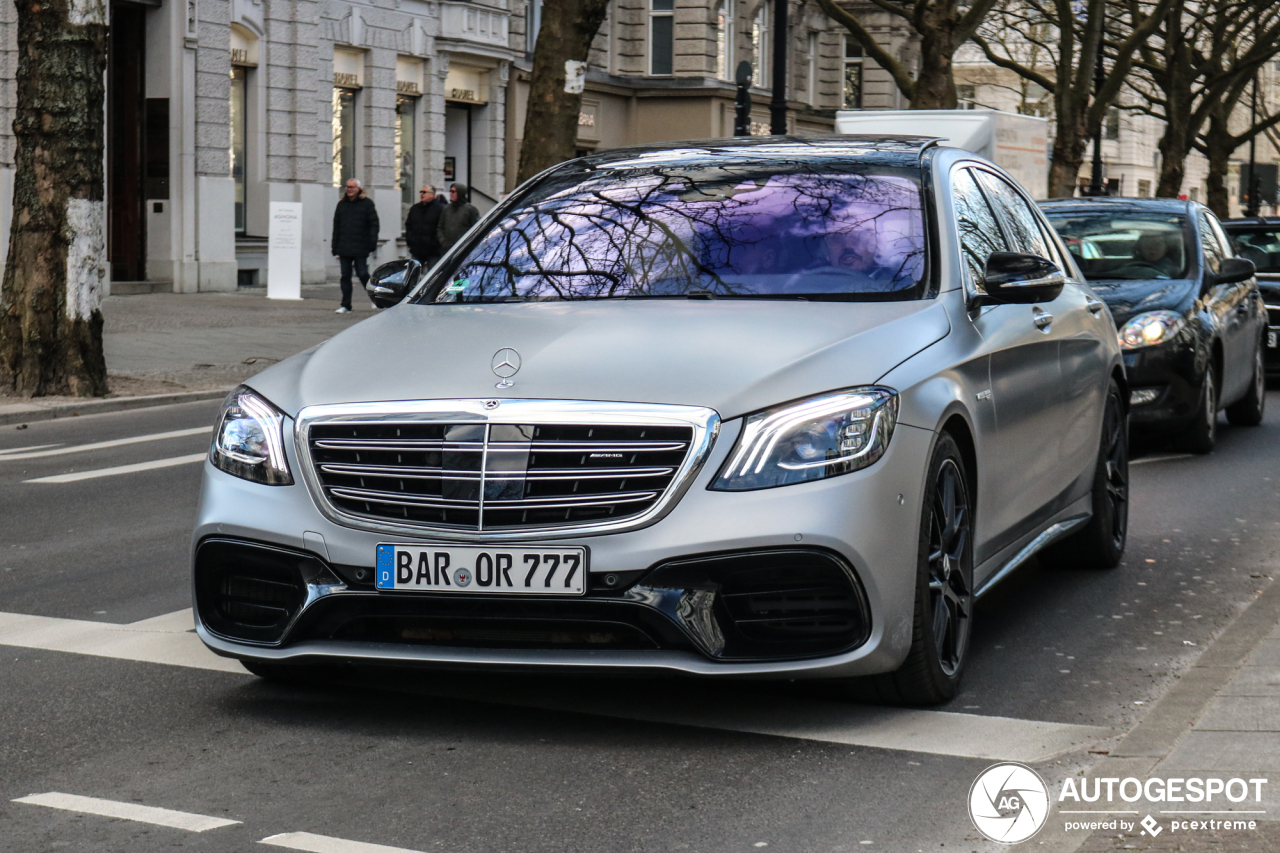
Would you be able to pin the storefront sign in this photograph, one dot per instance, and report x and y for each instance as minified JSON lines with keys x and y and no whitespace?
{"x":244,"y":47}
{"x":348,"y":69}
{"x":284,"y":251}
{"x":408,"y":76}
{"x":466,"y":85}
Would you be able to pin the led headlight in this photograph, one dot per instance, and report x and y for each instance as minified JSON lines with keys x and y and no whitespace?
{"x":249,"y":440}
{"x":1150,"y":328}
{"x":811,"y":439}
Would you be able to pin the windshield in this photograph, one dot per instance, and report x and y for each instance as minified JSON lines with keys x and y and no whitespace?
{"x":1131,"y":245}
{"x":701,"y":232}
{"x":1261,"y":247}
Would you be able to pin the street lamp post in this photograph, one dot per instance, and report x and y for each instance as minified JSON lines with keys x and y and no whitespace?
{"x":1255,"y":186}
{"x":778,"y":106}
{"x":1099,"y":79}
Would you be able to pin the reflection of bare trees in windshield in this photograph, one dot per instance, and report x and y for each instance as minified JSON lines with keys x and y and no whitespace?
{"x":716,"y":230}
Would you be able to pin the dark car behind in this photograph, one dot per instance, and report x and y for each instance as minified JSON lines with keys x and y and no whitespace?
{"x":1258,"y":240}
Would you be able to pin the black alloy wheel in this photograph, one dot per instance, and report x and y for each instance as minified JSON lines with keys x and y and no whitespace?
{"x":943,"y":614}
{"x":1101,"y":543}
{"x":1202,"y":435}
{"x":1249,"y":409}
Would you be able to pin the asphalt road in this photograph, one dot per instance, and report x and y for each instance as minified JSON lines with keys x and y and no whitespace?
{"x":498,"y":762}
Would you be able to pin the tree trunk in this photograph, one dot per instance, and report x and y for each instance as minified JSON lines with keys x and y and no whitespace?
{"x":1068,"y":152}
{"x":551,"y":118}
{"x":50,"y":317}
{"x":1220,"y":144}
{"x":935,"y":87}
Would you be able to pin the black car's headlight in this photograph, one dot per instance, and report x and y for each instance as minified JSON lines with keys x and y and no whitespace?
{"x":1150,"y":328}
{"x":249,"y":440}
{"x":811,"y":439}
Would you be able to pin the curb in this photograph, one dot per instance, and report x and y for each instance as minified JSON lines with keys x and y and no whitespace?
{"x":22,"y":413}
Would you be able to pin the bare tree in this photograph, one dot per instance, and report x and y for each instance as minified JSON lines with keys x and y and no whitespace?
{"x":50,"y":317}
{"x":942,"y":26}
{"x":1218,"y":143}
{"x":551,"y":119}
{"x":1019,"y":32}
{"x":1201,"y":49}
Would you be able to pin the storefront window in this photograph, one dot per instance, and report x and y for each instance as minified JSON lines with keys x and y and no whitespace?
{"x":344,"y":135}
{"x":239,"y":77}
{"x":406,"y":108}
{"x":724,"y":41}
{"x":661,"y":37}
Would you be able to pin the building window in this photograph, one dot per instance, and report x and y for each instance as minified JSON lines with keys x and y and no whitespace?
{"x":661,"y":37}
{"x":724,"y":41}
{"x":239,"y":79}
{"x":760,"y":45}
{"x":811,"y":83}
{"x":344,"y":135}
{"x":405,"y":145}
{"x":1111,"y":128}
{"x":852,"y":75}
{"x":1144,"y":188}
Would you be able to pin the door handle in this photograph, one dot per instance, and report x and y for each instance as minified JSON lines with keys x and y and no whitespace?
{"x":1042,"y":320}
{"x":1094,"y":305}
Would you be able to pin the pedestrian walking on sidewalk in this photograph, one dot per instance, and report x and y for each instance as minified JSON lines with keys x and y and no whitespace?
{"x":457,"y":217}
{"x":355,"y":237}
{"x":420,"y":227}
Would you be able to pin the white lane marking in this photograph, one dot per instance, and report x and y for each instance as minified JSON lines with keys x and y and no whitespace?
{"x":1166,"y":458}
{"x":39,"y":453}
{"x":136,"y":642}
{"x":325,"y":844}
{"x":170,"y":623}
{"x":76,"y":476}
{"x":12,"y":450}
{"x":128,"y":811}
{"x":160,"y":640}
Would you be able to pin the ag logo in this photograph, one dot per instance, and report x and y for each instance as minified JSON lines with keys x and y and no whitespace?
{"x":1008,"y":802}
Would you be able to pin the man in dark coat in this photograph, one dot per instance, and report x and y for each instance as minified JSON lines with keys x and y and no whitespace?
{"x":457,"y":217}
{"x":355,"y":237}
{"x":420,"y":227}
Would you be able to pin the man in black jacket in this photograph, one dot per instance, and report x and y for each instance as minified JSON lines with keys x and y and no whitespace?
{"x":355,"y":237}
{"x":420,"y":227}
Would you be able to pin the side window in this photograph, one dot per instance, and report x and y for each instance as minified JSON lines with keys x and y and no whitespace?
{"x":980,"y":233}
{"x":1213,"y":251}
{"x":1024,"y":231}
{"x":1228,"y":250}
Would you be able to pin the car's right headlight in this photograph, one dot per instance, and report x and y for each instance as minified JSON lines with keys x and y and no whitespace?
{"x":248,"y":441}
{"x":811,"y":439}
{"x":1150,"y":328}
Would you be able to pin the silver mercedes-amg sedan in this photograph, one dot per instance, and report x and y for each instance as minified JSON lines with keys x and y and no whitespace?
{"x":779,"y":407}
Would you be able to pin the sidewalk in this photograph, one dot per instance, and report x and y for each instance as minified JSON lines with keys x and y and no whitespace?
{"x":1222,"y":719}
{"x":164,"y":344}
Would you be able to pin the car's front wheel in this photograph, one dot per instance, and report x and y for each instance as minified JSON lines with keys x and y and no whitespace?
{"x":1249,"y":409}
{"x":944,"y":588}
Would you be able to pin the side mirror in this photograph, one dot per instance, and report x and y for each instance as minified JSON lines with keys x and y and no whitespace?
{"x":1019,"y":279}
{"x":1234,"y":269}
{"x":392,"y":282}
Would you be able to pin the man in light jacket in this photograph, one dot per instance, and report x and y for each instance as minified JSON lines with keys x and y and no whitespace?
{"x":355,"y":237}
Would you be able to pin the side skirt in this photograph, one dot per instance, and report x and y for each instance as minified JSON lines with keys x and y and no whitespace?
{"x":1046,"y":537}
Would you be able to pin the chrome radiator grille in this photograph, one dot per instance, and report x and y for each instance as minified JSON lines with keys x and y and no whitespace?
{"x":471,"y":477}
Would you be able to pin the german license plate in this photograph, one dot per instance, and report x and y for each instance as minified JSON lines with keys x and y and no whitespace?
{"x":1271,"y":339}
{"x":482,"y":569}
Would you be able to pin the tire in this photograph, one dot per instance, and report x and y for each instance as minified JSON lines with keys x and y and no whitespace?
{"x":1101,"y":543}
{"x":941,"y":623}
{"x":1248,"y":410}
{"x":1201,"y":436}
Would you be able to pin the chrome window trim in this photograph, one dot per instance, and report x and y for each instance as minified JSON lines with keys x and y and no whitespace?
{"x":704,"y":421}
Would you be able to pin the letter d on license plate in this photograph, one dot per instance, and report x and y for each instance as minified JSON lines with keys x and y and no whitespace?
{"x":481,"y":569}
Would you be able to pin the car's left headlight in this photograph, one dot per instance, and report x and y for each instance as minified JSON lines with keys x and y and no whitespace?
{"x":811,"y":439}
{"x":249,"y":440}
{"x":1150,"y":328}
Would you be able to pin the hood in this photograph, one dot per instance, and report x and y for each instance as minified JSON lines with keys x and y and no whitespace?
{"x":735,"y":357}
{"x":1126,"y":297}
{"x":464,"y":193}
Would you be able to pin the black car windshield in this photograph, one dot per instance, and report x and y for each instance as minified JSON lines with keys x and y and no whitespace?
{"x":1261,"y":247}
{"x":1130,"y":245}
{"x":673,"y":232}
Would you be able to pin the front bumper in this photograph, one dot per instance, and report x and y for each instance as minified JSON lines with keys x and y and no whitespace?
{"x":864,"y":521}
{"x":1164,"y":383}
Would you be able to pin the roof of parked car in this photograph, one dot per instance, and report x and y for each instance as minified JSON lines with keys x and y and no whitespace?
{"x":878,"y":150}
{"x":1108,"y":203}
{"x":1250,"y":223}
